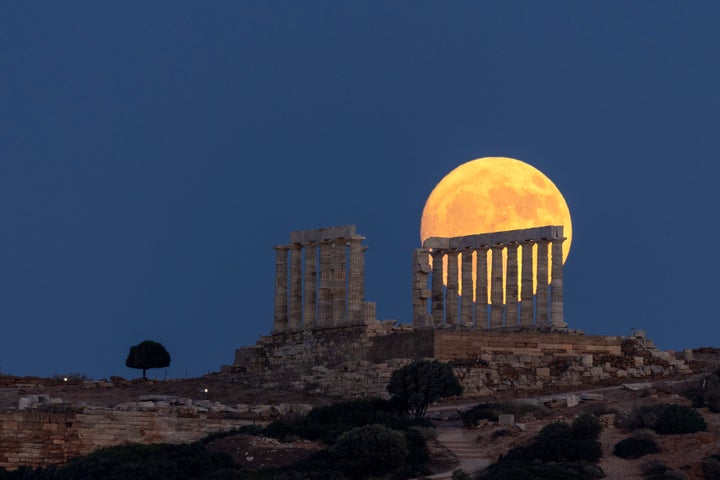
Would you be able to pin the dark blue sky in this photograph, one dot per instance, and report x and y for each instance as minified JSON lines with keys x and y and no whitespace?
{"x":152,"y":153}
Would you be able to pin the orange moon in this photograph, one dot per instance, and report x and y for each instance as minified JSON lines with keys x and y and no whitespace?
{"x":494,"y":194}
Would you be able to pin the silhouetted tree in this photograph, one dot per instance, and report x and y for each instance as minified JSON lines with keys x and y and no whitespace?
{"x":147,"y":354}
{"x":417,"y":385}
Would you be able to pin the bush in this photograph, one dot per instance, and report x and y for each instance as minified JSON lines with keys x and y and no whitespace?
{"x":327,"y":423}
{"x":705,"y":392}
{"x":482,"y":411}
{"x":711,"y":467}
{"x":520,"y":470}
{"x":586,"y":426}
{"x":372,"y":449}
{"x":633,"y":447}
{"x":645,"y":416}
{"x":679,"y":419}
{"x":656,"y":470}
{"x":555,"y":443}
{"x":490,"y":411}
{"x":460,"y":474}
{"x":554,"y":431}
{"x":184,"y":461}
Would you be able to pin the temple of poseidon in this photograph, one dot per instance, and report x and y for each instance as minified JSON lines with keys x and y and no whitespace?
{"x":507,"y":335}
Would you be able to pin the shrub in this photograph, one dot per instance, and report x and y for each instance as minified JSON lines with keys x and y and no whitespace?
{"x":460,"y":474}
{"x":645,"y":416}
{"x":184,"y":461}
{"x":553,"y":431}
{"x":633,"y":447}
{"x":482,"y":411}
{"x":679,"y":419}
{"x":600,"y":408}
{"x":555,"y":443}
{"x":705,"y":392}
{"x":490,"y":411}
{"x":515,"y":470}
{"x":656,"y":470}
{"x":372,"y":449}
{"x":327,"y":423}
{"x":586,"y":426}
{"x":711,"y":467}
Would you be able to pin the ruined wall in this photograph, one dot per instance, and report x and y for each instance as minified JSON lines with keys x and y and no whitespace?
{"x":463,"y":344}
{"x":36,"y":437}
{"x":355,"y":362}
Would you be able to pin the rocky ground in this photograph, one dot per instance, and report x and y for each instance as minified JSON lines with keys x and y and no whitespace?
{"x":473,"y":447}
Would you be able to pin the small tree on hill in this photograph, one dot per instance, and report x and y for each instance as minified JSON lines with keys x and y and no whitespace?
{"x":417,"y":385}
{"x":146,"y":355}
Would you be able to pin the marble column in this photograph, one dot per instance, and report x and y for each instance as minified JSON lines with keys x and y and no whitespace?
{"x":310,"y":288}
{"x":339,"y":290}
{"x":437,"y":295}
{"x":356,"y":282}
{"x":281,"y":279}
{"x":295,"y":313}
{"x":324,"y":292}
{"x":526,"y":305}
{"x":496,"y":288}
{"x":420,"y":292}
{"x":466,"y":313}
{"x":451,"y":296}
{"x":556,"y":286}
{"x":541,"y":298}
{"x":511,"y":285}
{"x":481,"y":289}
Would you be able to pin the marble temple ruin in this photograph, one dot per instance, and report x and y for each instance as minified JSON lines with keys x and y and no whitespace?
{"x":511,"y":301}
{"x":326,"y":278}
{"x":491,"y":305}
{"x":320,"y":280}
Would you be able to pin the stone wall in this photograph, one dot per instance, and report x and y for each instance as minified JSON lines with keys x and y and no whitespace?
{"x":354,"y":362}
{"x":464,"y":344}
{"x":37,"y":437}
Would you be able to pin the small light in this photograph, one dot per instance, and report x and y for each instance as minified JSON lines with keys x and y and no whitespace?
{"x":64,"y":379}
{"x":205,"y":390}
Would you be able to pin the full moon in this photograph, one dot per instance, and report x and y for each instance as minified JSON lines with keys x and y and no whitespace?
{"x":494,"y":194}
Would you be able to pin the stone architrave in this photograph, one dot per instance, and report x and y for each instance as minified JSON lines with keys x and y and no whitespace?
{"x":511,"y":285}
{"x":541,"y":298}
{"x":325,"y":292}
{"x":281,"y":280}
{"x":295,"y":313}
{"x":466,"y":313}
{"x":526,"y":304}
{"x":438,"y":297}
{"x":481,"y":288}
{"x":338,"y":282}
{"x":310,"y":288}
{"x":556,"y":287}
{"x":496,"y":288}
{"x":356,"y":281}
{"x":451,"y":295}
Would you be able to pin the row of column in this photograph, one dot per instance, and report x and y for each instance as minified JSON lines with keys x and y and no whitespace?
{"x":321,"y":290}
{"x":533,"y":308}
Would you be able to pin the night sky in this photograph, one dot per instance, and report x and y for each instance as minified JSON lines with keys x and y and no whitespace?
{"x":152,"y":153}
